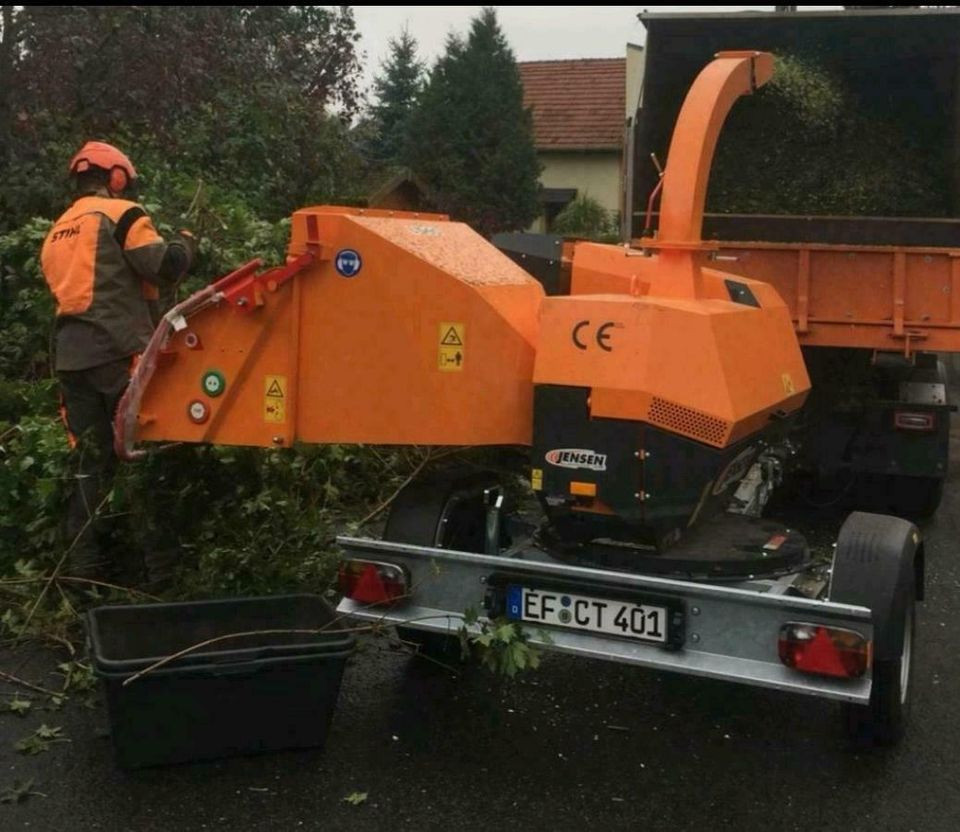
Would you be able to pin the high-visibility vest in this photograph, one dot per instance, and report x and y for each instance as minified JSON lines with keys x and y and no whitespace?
{"x":94,"y":259}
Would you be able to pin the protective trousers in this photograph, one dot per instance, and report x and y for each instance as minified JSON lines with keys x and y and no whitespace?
{"x":90,"y":399}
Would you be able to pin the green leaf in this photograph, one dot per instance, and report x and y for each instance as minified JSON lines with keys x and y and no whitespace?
{"x":506,"y":633}
{"x":356,"y":798}
{"x":19,"y":792}
{"x":18,"y":706}
{"x":46,"y":732}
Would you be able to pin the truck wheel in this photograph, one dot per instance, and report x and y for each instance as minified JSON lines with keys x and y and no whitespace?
{"x":447,"y":513}
{"x":877,"y":562}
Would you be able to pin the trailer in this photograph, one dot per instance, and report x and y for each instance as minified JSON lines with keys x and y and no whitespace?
{"x":656,"y":396}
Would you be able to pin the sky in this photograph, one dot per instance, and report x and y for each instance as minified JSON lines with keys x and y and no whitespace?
{"x":534,"y":32}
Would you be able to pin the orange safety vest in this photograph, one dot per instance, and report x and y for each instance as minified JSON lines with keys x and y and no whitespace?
{"x":93,"y":259}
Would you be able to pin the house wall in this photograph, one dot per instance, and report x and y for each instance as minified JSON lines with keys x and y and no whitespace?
{"x":593,"y":173}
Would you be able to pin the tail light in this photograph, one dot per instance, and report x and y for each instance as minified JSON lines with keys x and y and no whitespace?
{"x":914,"y":420}
{"x":372,"y":582}
{"x":827,"y":651}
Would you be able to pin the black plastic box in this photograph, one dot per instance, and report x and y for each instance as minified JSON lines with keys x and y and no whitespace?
{"x":238,"y":696}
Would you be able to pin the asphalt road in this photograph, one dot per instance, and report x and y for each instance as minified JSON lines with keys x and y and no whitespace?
{"x":577,"y":745}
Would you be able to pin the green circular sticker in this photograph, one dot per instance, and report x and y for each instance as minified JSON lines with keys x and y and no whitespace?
{"x":213,"y":383}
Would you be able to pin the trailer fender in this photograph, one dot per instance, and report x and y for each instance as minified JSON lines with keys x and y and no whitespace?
{"x":878,"y":563}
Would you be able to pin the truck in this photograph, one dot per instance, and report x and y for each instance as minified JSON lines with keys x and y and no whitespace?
{"x":659,"y":399}
{"x":875,"y":298}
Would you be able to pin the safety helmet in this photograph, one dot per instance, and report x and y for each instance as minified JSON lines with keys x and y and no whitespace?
{"x":106,"y":156}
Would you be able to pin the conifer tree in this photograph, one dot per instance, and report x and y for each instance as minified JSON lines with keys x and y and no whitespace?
{"x":472,"y":139}
{"x":397,"y":89}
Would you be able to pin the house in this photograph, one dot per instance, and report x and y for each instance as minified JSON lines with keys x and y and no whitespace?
{"x":580,"y":111}
{"x":399,"y":189}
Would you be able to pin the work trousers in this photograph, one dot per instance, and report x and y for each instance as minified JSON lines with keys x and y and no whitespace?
{"x":90,"y":399}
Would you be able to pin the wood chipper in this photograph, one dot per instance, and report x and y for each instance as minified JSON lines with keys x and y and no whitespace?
{"x":656,"y":399}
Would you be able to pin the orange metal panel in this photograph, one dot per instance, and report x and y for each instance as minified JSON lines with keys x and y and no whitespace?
{"x":705,"y":367}
{"x":871,"y":297}
{"x":361,"y":357}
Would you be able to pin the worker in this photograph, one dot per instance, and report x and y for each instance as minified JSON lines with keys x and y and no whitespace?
{"x":105,"y":264}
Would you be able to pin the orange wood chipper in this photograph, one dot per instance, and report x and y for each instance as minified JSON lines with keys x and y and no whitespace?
{"x":658,"y":397}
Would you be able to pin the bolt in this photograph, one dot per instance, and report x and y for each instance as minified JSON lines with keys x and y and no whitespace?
{"x":694,"y":638}
{"x":278,"y":440}
{"x":695,"y":610}
{"x":242,"y":302}
{"x":483,"y":579}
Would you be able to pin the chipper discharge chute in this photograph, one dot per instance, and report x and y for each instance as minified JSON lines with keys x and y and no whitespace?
{"x":656,"y":399}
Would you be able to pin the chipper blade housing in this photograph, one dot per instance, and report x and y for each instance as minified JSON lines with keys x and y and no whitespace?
{"x":402,"y":328}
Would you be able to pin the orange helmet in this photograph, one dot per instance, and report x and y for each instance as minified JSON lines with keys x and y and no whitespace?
{"x":106,"y":156}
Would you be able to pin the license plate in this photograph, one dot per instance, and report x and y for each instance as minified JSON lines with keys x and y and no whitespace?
{"x":588,"y":613}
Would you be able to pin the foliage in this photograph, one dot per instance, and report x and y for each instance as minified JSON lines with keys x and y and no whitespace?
{"x":19,"y":792}
{"x":244,"y":94}
{"x":356,"y":798}
{"x":474,"y":139}
{"x":502,"y":645}
{"x":397,"y":89}
{"x":40,"y":740}
{"x":586,"y":218}
{"x":34,"y":469}
{"x":18,"y":706}
{"x":26,"y":307}
{"x":808,"y":143}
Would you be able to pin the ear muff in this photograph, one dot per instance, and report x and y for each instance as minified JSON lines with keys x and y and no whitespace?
{"x":118,"y":180}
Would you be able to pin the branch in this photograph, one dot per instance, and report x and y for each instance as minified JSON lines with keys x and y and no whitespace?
{"x":430,"y":457}
{"x":57,"y":568}
{"x":16,"y":680}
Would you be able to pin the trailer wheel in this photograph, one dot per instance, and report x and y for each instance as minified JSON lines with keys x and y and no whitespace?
{"x":446,"y":513}
{"x":877,"y":563}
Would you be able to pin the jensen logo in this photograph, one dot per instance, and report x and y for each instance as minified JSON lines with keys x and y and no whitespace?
{"x":577,"y":458}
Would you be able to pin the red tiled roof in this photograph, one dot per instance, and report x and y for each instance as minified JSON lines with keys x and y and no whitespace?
{"x":577,"y":104}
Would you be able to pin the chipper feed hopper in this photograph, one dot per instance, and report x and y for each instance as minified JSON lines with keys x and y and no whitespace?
{"x":655,"y":400}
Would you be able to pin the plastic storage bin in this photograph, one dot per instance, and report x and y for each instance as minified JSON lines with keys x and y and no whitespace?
{"x":238,"y":696}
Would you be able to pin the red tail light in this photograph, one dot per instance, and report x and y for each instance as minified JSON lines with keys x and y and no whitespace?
{"x":914,"y":420}
{"x":827,"y":651}
{"x":372,"y":582}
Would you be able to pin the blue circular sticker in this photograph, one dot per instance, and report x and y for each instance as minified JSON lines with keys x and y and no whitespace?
{"x":348,"y":262}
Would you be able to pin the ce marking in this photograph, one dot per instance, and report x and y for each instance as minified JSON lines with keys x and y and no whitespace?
{"x":602,"y":335}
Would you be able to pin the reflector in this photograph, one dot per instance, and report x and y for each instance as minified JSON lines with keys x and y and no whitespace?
{"x":905,"y":420}
{"x":827,"y":651}
{"x":371,"y":582}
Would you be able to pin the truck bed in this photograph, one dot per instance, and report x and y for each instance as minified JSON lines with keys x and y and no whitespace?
{"x":895,"y":298}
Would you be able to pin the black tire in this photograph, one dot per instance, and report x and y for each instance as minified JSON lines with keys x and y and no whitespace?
{"x":876,"y":564}
{"x":447,"y":513}
{"x":883,"y":720}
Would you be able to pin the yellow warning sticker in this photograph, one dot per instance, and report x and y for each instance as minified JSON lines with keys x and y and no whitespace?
{"x":452,"y":349}
{"x":536,"y":479}
{"x":788,"y":386}
{"x":275,"y":399}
